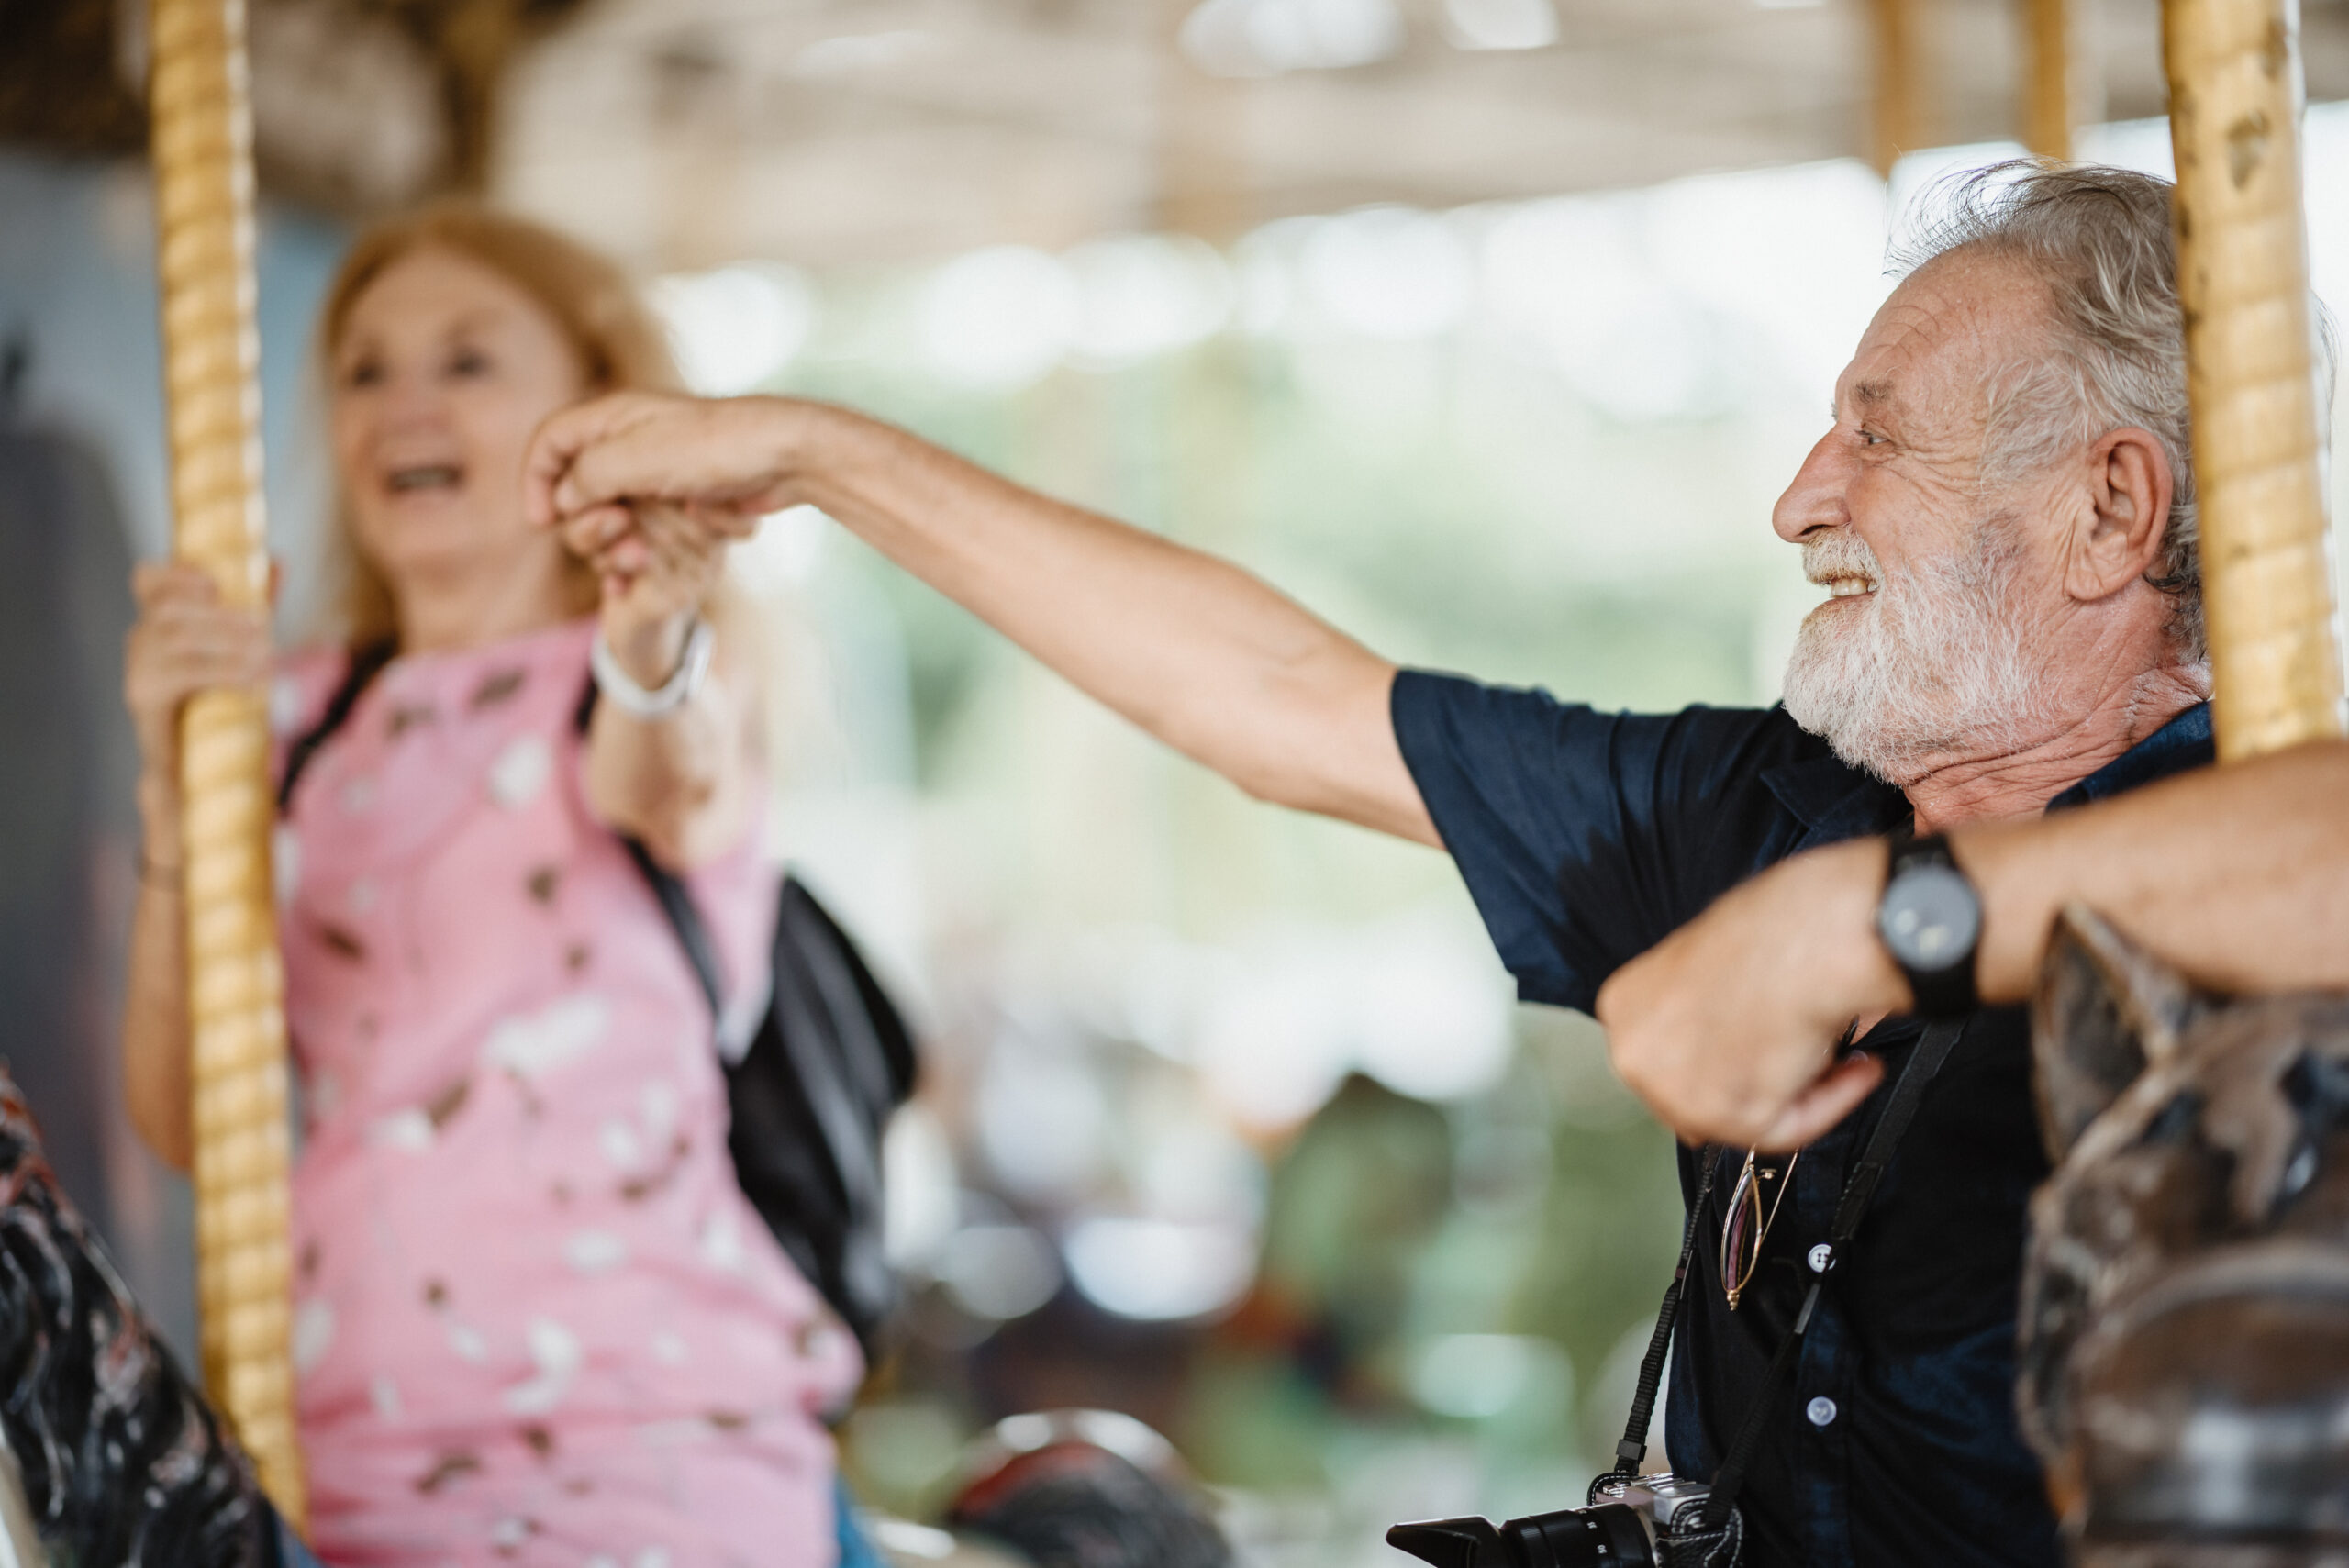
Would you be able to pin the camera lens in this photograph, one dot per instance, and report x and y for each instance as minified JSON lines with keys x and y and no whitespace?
{"x":1611,"y":1534}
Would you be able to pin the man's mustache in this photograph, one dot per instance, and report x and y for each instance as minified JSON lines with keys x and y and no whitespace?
{"x":1839,"y":554}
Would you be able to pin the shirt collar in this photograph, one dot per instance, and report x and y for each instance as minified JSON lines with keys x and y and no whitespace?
{"x":2184,"y":743}
{"x":1834,"y":801}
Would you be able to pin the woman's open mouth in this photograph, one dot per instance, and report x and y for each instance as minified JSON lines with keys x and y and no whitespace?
{"x":424,"y":476}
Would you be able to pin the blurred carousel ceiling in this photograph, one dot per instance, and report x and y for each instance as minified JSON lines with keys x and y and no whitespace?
{"x":682,"y":133}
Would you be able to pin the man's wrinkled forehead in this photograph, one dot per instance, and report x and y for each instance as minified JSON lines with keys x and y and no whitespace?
{"x":1936,"y":338}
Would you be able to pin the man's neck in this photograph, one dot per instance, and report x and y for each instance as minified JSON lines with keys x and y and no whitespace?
{"x":1961,"y":789}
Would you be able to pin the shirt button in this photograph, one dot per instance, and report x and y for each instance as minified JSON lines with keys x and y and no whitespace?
{"x":1821,"y":1410}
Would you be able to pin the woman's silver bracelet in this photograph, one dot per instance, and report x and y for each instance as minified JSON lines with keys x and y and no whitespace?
{"x":693,"y":668}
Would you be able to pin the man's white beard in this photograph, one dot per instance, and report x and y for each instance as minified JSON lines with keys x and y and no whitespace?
{"x":1934,"y":666}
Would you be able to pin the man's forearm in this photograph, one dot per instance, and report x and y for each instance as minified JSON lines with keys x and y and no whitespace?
{"x":2238,"y":876}
{"x":1197,"y":651}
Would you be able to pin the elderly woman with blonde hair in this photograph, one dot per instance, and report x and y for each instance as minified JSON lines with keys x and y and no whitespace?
{"x":536,"y":1319}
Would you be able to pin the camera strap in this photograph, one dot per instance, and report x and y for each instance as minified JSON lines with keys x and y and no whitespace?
{"x":1932,"y":1049}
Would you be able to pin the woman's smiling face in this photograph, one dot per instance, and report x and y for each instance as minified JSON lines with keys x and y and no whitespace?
{"x":442,"y":370}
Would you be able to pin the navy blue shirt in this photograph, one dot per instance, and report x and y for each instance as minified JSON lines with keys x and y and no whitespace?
{"x":1586,"y":838}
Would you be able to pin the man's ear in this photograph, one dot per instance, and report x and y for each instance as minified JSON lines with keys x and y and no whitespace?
{"x":2120,"y":533}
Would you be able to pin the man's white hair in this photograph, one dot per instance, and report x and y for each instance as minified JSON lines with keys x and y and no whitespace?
{"x":2101,"y":240}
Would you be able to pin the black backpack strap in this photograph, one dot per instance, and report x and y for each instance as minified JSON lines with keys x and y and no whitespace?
{"x":832,"y":1058}
{"x":677,"y":903}
{"x":366,"y":663}
{"x":817,"y":983}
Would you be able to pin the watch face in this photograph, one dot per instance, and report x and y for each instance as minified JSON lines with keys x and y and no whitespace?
{"x":1929,"y":918}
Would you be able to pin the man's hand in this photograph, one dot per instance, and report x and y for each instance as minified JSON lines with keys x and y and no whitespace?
{"x":729,"y":461}
{"x":1728,"y":1028}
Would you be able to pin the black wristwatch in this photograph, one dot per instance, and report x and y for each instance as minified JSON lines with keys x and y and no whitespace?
{"x":1930,"y":921}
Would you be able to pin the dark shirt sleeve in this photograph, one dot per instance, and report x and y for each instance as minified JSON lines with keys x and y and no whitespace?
{"x":1586,"y":837}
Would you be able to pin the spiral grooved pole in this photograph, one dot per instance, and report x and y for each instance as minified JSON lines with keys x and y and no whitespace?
{"x":203,"y":150}
{"x":2235,"y":89}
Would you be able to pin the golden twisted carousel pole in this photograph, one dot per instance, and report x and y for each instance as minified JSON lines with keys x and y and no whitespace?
{"x":2235,"y":99}
{"x":2060,"y":89}
{"x":204,"y":200}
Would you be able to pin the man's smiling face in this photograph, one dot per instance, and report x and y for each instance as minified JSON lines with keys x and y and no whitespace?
{"x":1935,"y":581}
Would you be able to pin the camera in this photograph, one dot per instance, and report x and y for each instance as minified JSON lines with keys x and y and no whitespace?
{"x":1633,"y":1522}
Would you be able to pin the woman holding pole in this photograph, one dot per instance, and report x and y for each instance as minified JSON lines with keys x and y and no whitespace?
{"x":534,"y":1318}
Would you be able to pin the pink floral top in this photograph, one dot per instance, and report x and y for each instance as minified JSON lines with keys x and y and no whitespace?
{"x":536,"y":1320}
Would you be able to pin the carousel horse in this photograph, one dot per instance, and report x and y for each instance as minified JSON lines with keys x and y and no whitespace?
{"x":116,"y":1457}
{"x":2184,"y":1324}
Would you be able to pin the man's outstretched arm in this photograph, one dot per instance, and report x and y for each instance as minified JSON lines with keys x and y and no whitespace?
{"x":2238,"y":876}
{"x":1197,"y":653}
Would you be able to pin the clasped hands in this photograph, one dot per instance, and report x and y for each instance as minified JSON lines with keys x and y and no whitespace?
{"x":615,"y":477}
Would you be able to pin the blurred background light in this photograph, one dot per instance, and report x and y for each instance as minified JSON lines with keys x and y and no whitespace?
{"x":738,"y":327}
{"x":998,"y":1271}
{"x":1042,"y":1121}
{"x":1142,"y":295}
{"x":1387,"y":272}
{"x":1500,"y":24}
{"x":999,"y":318}
{"x":785,"y":551}
{"x":1579,"y":279}
{"x":1478,"y":1376}
{"x":1271,"y":1047}
{"x":1430,"y":1015}
{"x":1156,"y":1270}
{"x":849,"y":53}
{"x":918,"y":1186}
{"x":1266,"y":37}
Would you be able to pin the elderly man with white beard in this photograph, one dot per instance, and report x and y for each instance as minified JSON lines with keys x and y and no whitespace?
{"x":2002,"y":512}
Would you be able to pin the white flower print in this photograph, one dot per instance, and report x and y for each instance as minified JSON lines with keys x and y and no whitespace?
{"x":410,"y":1130}
{"x":594,"y":1252}
{"x":313,"y":1333}
{"x":631,"y":1146}
{"x":721,"y":1247}
{"x":520,"y":772}
{"x":659,"y":1100}
{"x":536,"y":1043}
{"x":620,"y":1144}
{"x":555,"y":1352}
{"x":284,"y":704}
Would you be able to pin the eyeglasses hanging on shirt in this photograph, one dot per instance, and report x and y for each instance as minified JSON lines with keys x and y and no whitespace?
{"x":1746,"y":1221}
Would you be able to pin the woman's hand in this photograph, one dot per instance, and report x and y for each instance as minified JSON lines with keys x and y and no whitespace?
{"x":657,"y":575}
{"x":186,"y":639}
